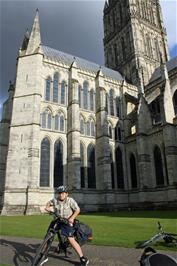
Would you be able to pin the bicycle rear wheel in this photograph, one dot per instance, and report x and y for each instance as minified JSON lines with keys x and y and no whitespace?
{"x":43,"y":249}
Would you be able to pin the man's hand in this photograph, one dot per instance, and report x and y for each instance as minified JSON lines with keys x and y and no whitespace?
{"x":71,"y":221}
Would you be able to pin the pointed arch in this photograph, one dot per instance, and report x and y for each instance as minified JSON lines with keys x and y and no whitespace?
{"x":88,"y":126}
{"x":55,"y":87}
{"x":49,"y":120}
{"x":85,"y":94}
{"x":80,"y":95}
{"x":175,"y":102}
{"x":158,"y":166}
{"x":157,"y":49}
{"x":91,"y":166}
{"x":92,"y":100}
{"x":45,"y":163}
{"x":62,"y":123}
{"x":148,"y":46}
{"x":133,"y":172}
{"x":63,"y":92}
{"x":56,"y":122}
{"x":58,"y":163}
{"x":82,"y":168}
{"x":111,"y":102}
{"x":92,"y":128}
{"x":43,"y":119}
{"x":46,"y":119}
{"x":112,"y":168}
{"x":110,"y":131}
{"x":48,"y":89}
{"x":123,"y":48}
{"x":119,"y":168}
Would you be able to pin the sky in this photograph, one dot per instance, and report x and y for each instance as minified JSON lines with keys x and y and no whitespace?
{"x":71,"y":26}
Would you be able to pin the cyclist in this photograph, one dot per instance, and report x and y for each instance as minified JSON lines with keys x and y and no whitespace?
{"x":68,"y":208}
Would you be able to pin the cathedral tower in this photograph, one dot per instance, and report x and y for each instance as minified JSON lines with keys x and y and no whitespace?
{"x":134,"y":37}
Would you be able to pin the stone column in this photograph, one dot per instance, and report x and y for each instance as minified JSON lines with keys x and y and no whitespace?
{"x":143,"y":126}
{"x":170,"y":143}
{"x":73,"y":134}
{"x":102,"y":139}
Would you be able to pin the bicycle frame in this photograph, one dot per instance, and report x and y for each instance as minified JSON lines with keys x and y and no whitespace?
{"x":167,"y":237}
{"x":52,"y":231}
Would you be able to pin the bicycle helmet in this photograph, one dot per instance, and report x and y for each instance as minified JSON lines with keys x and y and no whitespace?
{"x":61,"y":189}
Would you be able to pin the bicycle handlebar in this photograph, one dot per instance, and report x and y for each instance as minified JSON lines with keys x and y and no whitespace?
{"x":159,"y":226}
{"x":63,"y":220}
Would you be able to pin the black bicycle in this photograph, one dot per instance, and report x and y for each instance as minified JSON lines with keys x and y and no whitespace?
{"x":53,"y":230}
{"x":169,"y":238}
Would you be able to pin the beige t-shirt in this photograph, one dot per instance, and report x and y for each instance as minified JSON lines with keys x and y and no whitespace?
{"x":65,"y":208}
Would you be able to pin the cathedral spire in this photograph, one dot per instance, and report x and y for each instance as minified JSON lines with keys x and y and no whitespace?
{"x":35,"y":36}
{"x":169,"y":113}
{"x":106,"y":5}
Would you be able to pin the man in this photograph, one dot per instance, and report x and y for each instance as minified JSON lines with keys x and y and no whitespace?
{"x":66,"y":207}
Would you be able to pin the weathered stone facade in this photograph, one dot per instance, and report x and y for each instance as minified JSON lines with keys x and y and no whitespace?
{"x":70,"y":121}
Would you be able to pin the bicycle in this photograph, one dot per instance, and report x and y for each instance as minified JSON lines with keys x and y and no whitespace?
{"x":53,"y":230}
{"x":167,"y":237}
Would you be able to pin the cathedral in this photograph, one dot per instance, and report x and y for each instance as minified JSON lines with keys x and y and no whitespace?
{"x":107,"y":132}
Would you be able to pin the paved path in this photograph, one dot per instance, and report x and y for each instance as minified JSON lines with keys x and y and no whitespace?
{"x":20,"y":252}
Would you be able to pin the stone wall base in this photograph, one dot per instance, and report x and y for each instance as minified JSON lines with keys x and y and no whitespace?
{"x":20,"y":202}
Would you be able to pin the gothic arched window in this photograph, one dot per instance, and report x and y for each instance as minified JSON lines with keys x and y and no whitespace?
{"x":88,"y":128}
{"x":56,"y":122}
{"x":111,"y":101}
{"x":47,"y":89}
{"x":43,"y":119}
{"x":91,"y":167}
{"x":110,"y":131}
{"x":112,"y":170}
{"x":115,"y":54}
{"x":158,"y":166}
{"x":79,"y":95}
{"x":175,"y":102}
{"x":119,"y":134}
{"x":55,"y":87}
{"x":62,"y":123}
{"x":82,"y":126}
{"x":85,"y":92}
{"x":45,"y":163}
{"x":46,"y":119}
{"x":58,"y":163}
{"x":157,"y":50}
{"x":92,"y":100}
{"x":63,"y":92}
{"x":92,"y":125}
{"x":123,"y":48}
{"x":49,"y":121}
{"x":118,"y":106}
{"x":148,"y":45}
{"x":82,"y":170}
{"x":156,"y":112}
{"x":133,"y":172}
{"x":119,"y":167}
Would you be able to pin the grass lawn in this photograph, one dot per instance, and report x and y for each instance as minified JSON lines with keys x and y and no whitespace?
{"x":125,"y":229}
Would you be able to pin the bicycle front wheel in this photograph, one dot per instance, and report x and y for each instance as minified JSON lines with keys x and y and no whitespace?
{"x":43,"y":249}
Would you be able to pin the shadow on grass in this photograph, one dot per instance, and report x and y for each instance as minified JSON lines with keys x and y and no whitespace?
{"x":23,"y":254}
{"x":137,"y":214}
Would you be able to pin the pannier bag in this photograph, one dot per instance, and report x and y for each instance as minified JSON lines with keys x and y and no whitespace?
{"x":83,"y":233}
{"x":152,"y":258}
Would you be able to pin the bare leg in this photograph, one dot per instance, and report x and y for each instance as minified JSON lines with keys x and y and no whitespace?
{"x":76,"y":246}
